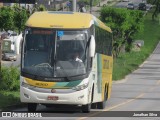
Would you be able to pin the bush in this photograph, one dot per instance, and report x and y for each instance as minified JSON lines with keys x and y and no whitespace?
{"x":9,"y":79}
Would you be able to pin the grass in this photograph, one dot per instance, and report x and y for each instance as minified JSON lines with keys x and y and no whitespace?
{"x":94,"y":2}
{"x":9,"y":86}
{"x":128,"y":62}
{"x":9,"y":98}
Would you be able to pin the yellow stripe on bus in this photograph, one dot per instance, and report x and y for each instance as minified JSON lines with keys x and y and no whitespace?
{"x":40,"y":83}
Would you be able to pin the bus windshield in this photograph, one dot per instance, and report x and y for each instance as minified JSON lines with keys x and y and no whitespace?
{"x":49,"y":53}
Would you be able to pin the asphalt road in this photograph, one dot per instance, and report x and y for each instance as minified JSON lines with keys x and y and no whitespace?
{"x":135,"y":2}
{"x":96,"y":9}
{"x":124,"y":4}
{"x":12,"y":63}
{"x":139,"y":91}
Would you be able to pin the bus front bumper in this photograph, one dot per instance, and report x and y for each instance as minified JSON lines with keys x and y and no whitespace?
{"x":63,"y":96}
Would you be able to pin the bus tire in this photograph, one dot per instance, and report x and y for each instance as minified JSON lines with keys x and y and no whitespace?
{"x":48,"y":106}
{"x":86,"y":108}
{"x":94,"y":105}
{"x":101,"y":105}
{"x":104,"y":5}
{"x":32,"y":107}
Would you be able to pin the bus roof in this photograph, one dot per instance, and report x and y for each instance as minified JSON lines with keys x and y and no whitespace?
{"x":64,"y":20}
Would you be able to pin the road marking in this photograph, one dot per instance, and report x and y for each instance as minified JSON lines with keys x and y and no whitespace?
{"x":113,"y":107}
{"x":120,"y":81}
{"x":118,"y":105}
{"x":128,"y":101}
{"x":151,"y":89}
{"x":158,"y":82}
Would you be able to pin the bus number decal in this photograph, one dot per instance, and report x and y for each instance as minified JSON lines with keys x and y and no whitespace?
{"x":41,"y":84}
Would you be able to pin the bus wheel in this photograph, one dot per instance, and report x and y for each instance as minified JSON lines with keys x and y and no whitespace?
{"x":86,"y":108}
{"x":32,"y":107}
{"x":101,"y":105}
{"x":94,"y":105}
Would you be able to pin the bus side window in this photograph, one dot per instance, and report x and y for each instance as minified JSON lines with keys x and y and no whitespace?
{"x":110,"y":45}
{"x":103,"y":42}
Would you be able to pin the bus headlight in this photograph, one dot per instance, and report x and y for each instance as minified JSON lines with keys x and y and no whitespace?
{"x":80,"y":87}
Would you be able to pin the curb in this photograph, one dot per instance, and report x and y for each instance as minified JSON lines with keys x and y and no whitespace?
{"x":141,"y":65}
{"x":106,"y":4}
{"x":113,"y":3}
{"x":120,"y":81}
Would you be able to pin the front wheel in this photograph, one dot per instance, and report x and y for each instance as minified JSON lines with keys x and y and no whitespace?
{"x":32,"y":107}
{"x":94,"y":105}
{"x":86,"y":108}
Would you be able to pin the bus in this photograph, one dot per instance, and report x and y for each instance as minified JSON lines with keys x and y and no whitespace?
{"x":66,"y":59}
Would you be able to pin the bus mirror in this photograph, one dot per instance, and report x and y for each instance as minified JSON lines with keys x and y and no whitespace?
{"x":92,"y":47}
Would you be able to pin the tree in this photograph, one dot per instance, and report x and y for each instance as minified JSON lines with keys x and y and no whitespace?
{"x":124,"y":24}
{"x":6,"y":18}
{"x":41,"y":8}
{"x":38,"y":8}
{"x":20,"y":17}
{"x":157,"y":7}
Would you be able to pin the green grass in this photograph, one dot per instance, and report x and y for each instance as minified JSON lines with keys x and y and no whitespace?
{"x":128,"y":62}
{"x":8,"y":98}
{"x":94,"y":2}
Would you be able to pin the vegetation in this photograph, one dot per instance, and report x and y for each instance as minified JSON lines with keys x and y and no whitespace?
{"x":20,"y":17}
{"x":41,"y":8}
{"x":88,"y":2}
{"x":9,"y":98}
{"x":6,"y":18}
{"x":127,"y":62}
{"x":124,"y":23}
{"x":14,"y":18}
{"x":9,"y":79}
{"x":9,"y":86}
{"x":157,"y":7}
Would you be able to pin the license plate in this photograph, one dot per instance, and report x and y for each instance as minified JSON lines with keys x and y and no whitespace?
{"x":52,"y":98}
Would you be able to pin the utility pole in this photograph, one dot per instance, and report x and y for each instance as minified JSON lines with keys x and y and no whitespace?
{"x":54,"y":5}
{"x":1,"y":40}
{"x":0,"y":53}
{"x":19,"y":3}
{"x":91,"y":1}
{"x":74,"y":2}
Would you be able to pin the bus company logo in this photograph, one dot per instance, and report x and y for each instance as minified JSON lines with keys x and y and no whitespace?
{"x":53,"y":91}
{"x":6,"y":114}
{"x":19,"y":115}
{"x":41,"y":84}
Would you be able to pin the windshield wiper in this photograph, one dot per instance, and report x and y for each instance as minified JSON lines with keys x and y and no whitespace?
{"x":78,"y":77}
{"x":42,"y":65}
{"x":32,"y":76}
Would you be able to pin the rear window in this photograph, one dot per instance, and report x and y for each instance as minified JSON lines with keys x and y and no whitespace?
{"x":142,"y":4}
{"x":130,"y":3}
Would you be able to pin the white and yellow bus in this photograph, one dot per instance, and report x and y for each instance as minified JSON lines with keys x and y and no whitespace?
{"x":66,"y":59}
